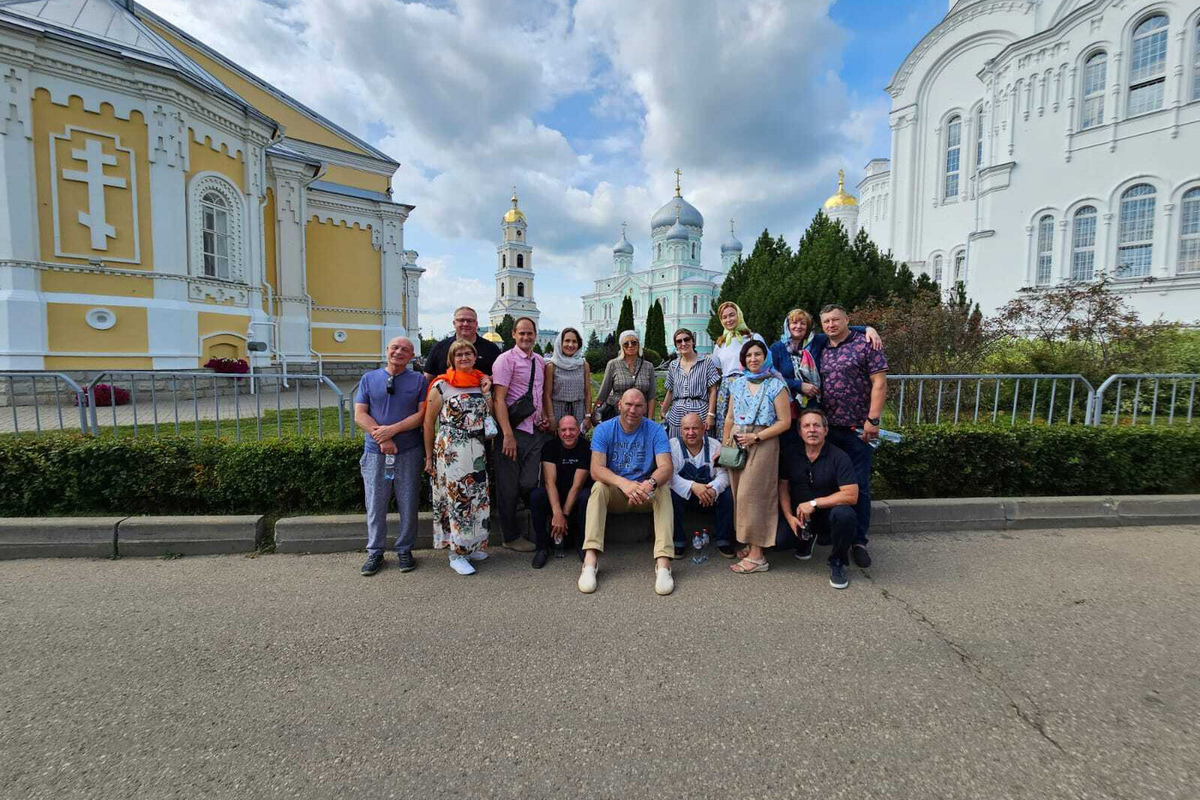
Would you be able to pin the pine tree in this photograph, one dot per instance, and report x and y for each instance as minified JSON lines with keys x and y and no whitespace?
{"x":537,"y":348}
{"x":504,"y":329}
{"x":656,"y":329}
{"x":594,"y":341}
{"x":625,"y":320}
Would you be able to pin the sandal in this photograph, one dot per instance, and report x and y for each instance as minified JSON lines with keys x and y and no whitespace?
{"x":760,"y":565}
{"x":743,"y":551}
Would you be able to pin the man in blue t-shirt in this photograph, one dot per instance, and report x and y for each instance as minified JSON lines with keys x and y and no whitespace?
{"x":389,"y":406}
{"x":631,"y":460}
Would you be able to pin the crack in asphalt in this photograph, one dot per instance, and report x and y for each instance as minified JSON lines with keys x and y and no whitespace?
{"x":1035,"y":720}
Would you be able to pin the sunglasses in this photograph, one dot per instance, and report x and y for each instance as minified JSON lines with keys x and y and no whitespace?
{"x":391,"y":384}
{"x":630,"y":344}
{"x":683,"y":340}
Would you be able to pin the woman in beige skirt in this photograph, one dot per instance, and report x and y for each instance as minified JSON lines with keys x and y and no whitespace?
{"x":758,"y":414}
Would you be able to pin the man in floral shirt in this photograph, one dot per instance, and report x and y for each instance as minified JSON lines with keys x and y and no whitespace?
{"x":853,"y":389}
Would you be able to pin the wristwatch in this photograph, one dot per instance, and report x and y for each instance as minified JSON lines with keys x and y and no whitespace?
{"x":874,"y":421}
{"x":813,"y":503}
{"x":653,"y":481}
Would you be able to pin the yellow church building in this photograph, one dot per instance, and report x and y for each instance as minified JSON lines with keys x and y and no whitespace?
{"x":160,"y":205}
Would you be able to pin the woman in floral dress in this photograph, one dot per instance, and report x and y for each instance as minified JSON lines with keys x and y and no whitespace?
{"x":459,"y":402}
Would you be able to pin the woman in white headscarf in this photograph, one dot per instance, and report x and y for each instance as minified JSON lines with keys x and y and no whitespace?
{"x":627,"y":371}
{"x":568,"y":384}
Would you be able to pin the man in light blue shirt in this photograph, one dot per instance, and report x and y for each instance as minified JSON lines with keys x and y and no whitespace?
{"x":631,"y":459}
{"x":390,"y":407}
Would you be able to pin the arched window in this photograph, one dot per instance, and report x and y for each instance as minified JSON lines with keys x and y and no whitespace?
{"x":978,"y":139}
{"x":666,"y":302}
{"x":214,"y":213}
{"x":937,"y":269}
{"x":1083,"y":244}
{"x":502,"y":290}
{"x":503,"y":260}
{"x":960,"y":265}
{"x":1196,"y":63}
{"x":520,"y":261}
{"x":1148,"y":65}
{"x":520,"y":289}
{"x":695,"y":303}
{"x":1189,"y":232}
{"x":518,"y":233}
{"x":693,"y":249}
{"x":1135,"y":239}
{"x":1045,"y":251}
{"x":1095,"y":76}
{"x":658,"y":250}
{"x":953,"y":155}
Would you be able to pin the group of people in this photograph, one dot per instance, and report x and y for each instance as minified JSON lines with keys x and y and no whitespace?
{"x":773,"y":441}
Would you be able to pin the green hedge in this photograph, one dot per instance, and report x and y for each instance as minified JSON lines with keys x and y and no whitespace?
{"x":66,"y":475}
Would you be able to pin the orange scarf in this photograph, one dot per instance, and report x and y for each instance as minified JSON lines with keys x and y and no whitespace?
{"x":457,"y":379}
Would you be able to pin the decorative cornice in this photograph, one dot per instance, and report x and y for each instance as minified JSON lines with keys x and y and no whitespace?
{"x":375,"y":312}
{"x":207,"y":286}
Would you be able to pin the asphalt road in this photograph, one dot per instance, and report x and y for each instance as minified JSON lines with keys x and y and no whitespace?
{"x":1060,"y":664}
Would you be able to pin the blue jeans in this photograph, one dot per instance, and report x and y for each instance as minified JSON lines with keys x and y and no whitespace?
{"x":378,"y":490}
{"x":723,"y":509}
{"x":861,"y":456}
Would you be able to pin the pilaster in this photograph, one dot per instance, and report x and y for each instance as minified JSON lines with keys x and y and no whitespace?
{"x":289,"y":182}
{"x":22,"y":310}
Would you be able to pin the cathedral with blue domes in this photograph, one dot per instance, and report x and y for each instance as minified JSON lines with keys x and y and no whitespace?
{"x":675,"y":276}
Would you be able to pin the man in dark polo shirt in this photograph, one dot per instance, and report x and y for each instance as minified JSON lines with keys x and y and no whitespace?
{"x":466,"y":328}
{"x":558,"y":506}
{"x":853,"y":390}
{"x":817,"y":493}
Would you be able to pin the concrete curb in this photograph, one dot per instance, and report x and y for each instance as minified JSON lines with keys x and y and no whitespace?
{"x":188,"y":536}
{"x":104,"y":537}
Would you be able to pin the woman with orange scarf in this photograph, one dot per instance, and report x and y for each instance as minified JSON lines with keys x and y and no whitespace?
{"x":460,"y":399}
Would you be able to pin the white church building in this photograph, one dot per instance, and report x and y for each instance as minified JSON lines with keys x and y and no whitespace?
{"x":1036,"y":142}
{"x":675,"y":277}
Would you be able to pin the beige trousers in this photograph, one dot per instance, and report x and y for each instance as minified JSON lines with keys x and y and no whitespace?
{"x":605,"y":498}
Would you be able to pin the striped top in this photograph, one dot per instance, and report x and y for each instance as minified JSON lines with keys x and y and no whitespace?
{"x":689,"y":391}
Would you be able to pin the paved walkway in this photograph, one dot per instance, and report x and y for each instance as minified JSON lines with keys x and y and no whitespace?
{"x":204,"y":408}
{"x":1050,"y":664}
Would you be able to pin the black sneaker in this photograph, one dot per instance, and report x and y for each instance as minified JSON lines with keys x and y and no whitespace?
{"x":860,"y":555}
{"x":837,"y":574}
{"x":407,"y":562}
{"x":372,"y":565}
{"x":805,"y":548}
{"x":679,"y":552}
{"x":540,"y":558}
{"x":727,"y":550}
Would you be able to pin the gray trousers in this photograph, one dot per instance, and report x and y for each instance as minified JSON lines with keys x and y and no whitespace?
{"x":378,"y":490}
{"x":516,"y":478}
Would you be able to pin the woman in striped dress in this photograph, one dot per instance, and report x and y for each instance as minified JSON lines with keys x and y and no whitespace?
{"x":691,"y":384}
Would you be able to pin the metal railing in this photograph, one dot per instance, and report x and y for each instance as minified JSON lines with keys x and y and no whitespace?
{"x":55,"y":385}
{"x":1147,"y":398}
{"x":156,"y":398}
{"x":990,"y":399}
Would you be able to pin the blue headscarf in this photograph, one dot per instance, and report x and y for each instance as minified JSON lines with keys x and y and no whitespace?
{"x":764,"y":372}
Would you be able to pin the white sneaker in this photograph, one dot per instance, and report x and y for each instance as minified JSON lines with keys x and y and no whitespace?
{"x":477,"y":555}
{"x":664,"y":583}
{"x":460,"y":565}
{"x":587,"y":579}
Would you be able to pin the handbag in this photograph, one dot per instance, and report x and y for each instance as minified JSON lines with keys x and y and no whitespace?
{"x":490,"y":429}
{"x":524,"y":408}
{"x":733,"y":456}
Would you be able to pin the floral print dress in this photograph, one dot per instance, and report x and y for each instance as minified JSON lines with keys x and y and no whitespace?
{"x":461,"y":507}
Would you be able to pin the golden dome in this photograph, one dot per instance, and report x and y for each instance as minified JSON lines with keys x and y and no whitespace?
{"x":492,"y":336}
{"x":841,"y":199}
{"x":514,"y":214}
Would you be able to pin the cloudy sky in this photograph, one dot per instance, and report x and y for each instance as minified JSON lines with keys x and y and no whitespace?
{"x":587,"y":107}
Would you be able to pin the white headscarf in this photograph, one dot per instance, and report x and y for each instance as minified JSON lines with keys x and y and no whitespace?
{"x":564,"y":363}
{"x":629,"y":335}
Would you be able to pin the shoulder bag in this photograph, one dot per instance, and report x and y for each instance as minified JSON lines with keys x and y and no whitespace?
{"x":733,"y":456}
{"x":524,"y":408}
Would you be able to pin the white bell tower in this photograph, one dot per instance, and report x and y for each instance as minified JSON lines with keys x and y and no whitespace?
{"x":514,"y":270}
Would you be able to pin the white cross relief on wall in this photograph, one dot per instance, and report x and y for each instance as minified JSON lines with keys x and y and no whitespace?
{"x":96,"y":155}
{"x":94,"y":218}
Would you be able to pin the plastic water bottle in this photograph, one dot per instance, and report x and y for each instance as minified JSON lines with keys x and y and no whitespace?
{"x":884,"y":436}
{"x":699,"y":544}
{"x":389,"y":467}
{"x":559,"y":550}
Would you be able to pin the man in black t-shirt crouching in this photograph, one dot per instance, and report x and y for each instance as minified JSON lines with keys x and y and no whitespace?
{"x":817,"y":493}
{"x":558,"y":507}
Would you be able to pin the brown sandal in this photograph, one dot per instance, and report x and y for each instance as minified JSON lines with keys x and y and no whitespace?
{"x":760,"y":565}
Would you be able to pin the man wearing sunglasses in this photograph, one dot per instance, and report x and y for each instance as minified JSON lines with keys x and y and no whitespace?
{"x":817,"y":492}
{"x":389,"y":406}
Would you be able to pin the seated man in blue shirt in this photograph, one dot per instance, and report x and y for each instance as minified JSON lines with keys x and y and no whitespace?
{"x":630,"y":461}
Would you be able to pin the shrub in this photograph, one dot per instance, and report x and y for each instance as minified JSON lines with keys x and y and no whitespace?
{"x":107,"y":395}
{"x":233,"y":366}
{"x":597,"y":360}
{"x":652,"y":356}
{"x":73,"y":474}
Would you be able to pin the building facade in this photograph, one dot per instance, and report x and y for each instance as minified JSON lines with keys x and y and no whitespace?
{"x":514,"y":269}
{"x":675,"y":277}
{"x":162,"y":206}
{"x":1036,"y":142}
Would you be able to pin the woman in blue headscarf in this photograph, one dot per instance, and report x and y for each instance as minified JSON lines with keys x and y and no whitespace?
{"x":797,"y":356}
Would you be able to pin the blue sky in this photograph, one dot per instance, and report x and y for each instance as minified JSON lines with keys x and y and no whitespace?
{"x":587,"y":106}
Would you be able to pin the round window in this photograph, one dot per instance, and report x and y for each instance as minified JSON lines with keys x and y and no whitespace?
{"x":101,"y":318}
{"x":339,"y":336}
